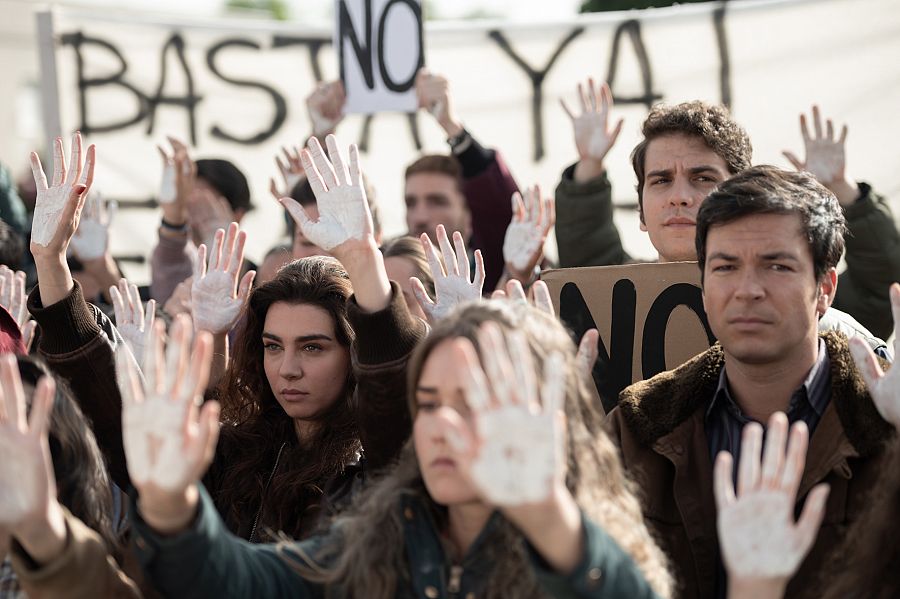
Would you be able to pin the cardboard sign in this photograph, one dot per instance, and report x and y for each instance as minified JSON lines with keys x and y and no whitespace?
{"x":380,"y":50}
{"x":650,"y":318}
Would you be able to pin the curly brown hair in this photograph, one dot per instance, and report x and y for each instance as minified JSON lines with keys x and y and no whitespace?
{"x":713,"y":124}
{"x":256,"y":423}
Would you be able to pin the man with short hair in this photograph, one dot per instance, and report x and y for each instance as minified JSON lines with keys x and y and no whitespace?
{"x":689,"y":148}
{"x":469,"y":190}
{"x":768,"y":243}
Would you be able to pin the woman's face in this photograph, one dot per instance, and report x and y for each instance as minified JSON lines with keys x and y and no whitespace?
{"x":400,"y":269}
{"x":440,"y":394}
{"x":305,"y":364}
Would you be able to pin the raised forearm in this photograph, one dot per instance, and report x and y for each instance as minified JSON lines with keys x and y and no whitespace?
{"x":219,"y":359}
{"x":365,"y":266}
{"x":43,"y":537}
{"x":553,"y":530}
{"x":54,"y":279}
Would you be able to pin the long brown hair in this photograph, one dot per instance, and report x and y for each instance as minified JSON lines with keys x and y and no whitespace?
{"x":260,"y":427}
{"x":867,"y":564}
{"x":374,"y":564}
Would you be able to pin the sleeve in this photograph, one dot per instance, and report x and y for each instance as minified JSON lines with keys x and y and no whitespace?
{"x":873,"y":263}
{"x":208,"y":561}
{"x":79,"y":343}
{"x":384,"y":342}
{"x":586,"y":233}
{"x":488,"y":186}
{"x":85,"y":569}
{"x":170,"y":264}
{"x":605,"y":570}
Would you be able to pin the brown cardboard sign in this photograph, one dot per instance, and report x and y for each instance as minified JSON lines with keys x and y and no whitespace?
{"x":650,"y":318}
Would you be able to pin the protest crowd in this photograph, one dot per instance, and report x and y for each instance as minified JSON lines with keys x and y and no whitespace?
{"x":359,"y":416}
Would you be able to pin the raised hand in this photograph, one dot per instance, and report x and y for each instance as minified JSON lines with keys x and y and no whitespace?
{"x":345,"y":222}
{"x":13,"y":298}
{"x":91,"y":240}
{"x":593,"y":135}
{"x":588,"y":352}
{"x":58,"y":205}
{"x":325,"y":106}
{"x":216,"y":298}
{"x":169,"y":441}
{"x":884,"y":387}
{"x":762,"y":545}
{"x":178,"y":177}
{"x":433,"y":92}
{"x":539,"y":296}
{"x":131,"y":320}
{"x":452,"y":286}
{"x":26,"y":472}
{"x":825,"y":157}
{"x":291,"y":170}
{"x":514,"y":453}
{"x":523,"y":246}
{"x":12,"y":295}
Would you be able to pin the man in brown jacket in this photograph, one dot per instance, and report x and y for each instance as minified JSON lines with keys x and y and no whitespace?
{"x":768,"y":242}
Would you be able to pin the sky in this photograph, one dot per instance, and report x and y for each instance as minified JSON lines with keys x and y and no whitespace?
{"x":519,"y":10}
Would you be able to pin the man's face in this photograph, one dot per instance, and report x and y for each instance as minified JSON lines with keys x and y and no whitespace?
{"x":760,"y":292}
{"x":434,"y":199}
{"x":680,"y":171}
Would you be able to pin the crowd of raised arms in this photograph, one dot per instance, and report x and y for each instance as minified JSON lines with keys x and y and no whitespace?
{"x":370,"y":417}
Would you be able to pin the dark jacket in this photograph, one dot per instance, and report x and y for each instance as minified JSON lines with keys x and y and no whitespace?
{"x":488,"y":187}
{"x":206,"y":561}
{"x":873,"y":262}
{"x":79,"y":343}
{"x":659,"y":428}
{"x":587,"y":236}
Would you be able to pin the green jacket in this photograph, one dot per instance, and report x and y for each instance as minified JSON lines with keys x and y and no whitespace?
{"x":208,"y":561}
{"x":873,"y":262}
{"x":587,"y":236}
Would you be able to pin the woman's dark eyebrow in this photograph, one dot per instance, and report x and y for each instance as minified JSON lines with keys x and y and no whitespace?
{"x":301,"y":339}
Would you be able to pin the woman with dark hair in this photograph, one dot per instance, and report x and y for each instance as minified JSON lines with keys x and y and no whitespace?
{"x":510,"y":487}
{"x":300,"y":406}
{"x":313,"y":399}
{"x":78,"y":473}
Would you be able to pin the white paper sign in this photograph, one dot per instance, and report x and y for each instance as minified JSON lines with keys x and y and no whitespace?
{"x":380,"y":50}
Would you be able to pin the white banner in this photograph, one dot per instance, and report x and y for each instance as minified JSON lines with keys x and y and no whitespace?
{"x":236,"y":89}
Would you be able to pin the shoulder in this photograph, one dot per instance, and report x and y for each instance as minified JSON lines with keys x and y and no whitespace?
{"x":653,"y":408}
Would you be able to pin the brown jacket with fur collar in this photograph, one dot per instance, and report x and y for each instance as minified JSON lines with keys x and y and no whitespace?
{"x":659,"y":427}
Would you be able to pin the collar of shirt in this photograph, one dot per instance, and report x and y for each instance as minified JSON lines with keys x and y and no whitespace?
{"x":815,"y":391}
